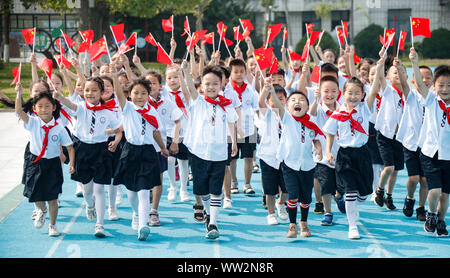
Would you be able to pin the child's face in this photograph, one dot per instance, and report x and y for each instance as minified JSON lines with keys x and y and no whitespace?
{"x":329,"y":92}
{"x":104,"y":70}
{"x":329,"y":57}
{"x":79,"y":88}
{"x":393,"y":76}
{"x":353,"y":95}
{"x":251,"y":65}
{"x":372,"y":72}
{"x":297,"y":105}
{"x":57,"y":82}
{"x":139,"y":95}
{"x":122,"y":81}
{"x":92,"y":92}
{"x":442,"y":88}
{"x":225,"y":81}
{"x":296,"y":64}
{"x":173,"y":79}
{"x":44,"y":109}
{"x":427,"y":77}
{"x":36,"y":89}
{"x":279,"y":80}
{"x":364,"y":70}
{"x":281,"y":98}
{"x":341,"y":64}
{"x":211,"y":85}
{"x":109,"y":90}
{"x":238,"y":74}
{"x":155,"y":86}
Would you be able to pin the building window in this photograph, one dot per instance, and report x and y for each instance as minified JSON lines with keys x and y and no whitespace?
{"x":399,"y":19}
{"x":310,"y":17}
{"x":337,"y":16}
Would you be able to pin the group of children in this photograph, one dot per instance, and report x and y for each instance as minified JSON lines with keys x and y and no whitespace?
{"x":345,"y":138}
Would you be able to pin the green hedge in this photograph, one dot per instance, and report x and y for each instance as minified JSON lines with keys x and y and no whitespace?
{"x":367,"y":42}
{"x":437,"y":47}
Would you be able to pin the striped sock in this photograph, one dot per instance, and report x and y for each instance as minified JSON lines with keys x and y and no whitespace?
{"x":206,"y":200}
{"x":304,"y":208}
{"x":215,"y":207}
{"x":351,"y":207}
{"x":292,"y":211}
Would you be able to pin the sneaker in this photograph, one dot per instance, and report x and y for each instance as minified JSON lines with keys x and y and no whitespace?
{"x":372,"y":197}
{"x":35,"y":211}
{"x":389,"y":203}
{"x":234,"y":187}
{"x":143,"y":233}
{"x":293,"y":231}
{"x":184,"y":196}
{"x":248,"y":189}
{"x":441,"y":229}
{"x":421,"y":214}
{"x":272,"y":219}
{"x":304,"y":229}
{"x":213,"y":232}
{"x":282,"y":212}
{"x":431,"y":223}
{"x":91,"y":213}
{"x":172,"y":195}
{"x":227,"y":203}
{"x":39,"y":219}
{"x":119,"y":195}
{"x":319,"y":208}
{"x":113,"y":214}
{"x":154,"y":219}
{"x":408,"y":207}
{"x":135,"y":222}
{"x":99,"y":231}
{"x":379,"y":197}
{"x":340,"y":204}
{"x":327,"y":219}
{"x":79,"y":190}
{"x":52,"y":230}
{"x":353,"y":233}
{"x":255,"y":168}
{"x":264,"y":201}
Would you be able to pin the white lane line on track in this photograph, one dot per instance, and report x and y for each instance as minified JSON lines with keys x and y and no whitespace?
{"x":381,"y":251}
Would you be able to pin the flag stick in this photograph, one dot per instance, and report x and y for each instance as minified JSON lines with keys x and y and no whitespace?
{"x":114,"y":36}
{"x":339,"y":41}
{"x":389,"y":42}
{"x":173,"y":26}
{"x":267,"y":40}
{"x":20,"y":70}
{"x":107,"y":49}
{"x":226,"y":45}
{"x":214,"y":44}
{"x":188,"y":49}
{"x":345,"y":35}
{"x":307,"y":41}
{"x":135,"y":46}
{"x":400,"y":39}
{"x":320,"y":38}
{"x":412,"y":35}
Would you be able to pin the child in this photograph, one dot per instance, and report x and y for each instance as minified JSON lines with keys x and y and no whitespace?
{"x":44,"y":177}
{"x":298,"y":136}
{"x":170,"y":121}
{"x":249,"y":105}
{"x":349,"y":125}
{"x":206,"y":139}
{"x":93,"y":162}
{"x":270,"y":130}
{"x":323,"y":106}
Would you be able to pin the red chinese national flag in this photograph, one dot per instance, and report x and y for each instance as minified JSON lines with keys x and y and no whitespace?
{"x":87,"y":35}
{"x":387,"y":34}
{"x":294,"y":56}
{"x":162,"y":56}
{"x":340,"y":34}
{"x":305,"y":51}
{"x":273,"y":31}
{"x":402,"y":39}
{"x":196,"y":37}
{"x":420,"y":26}
{"x":221,"y":30}
{"x":285,"y":33}
{"x":16,"y":73}
{"x":314,"y":36}
{"x":247,"y":24}
{"x":46,"y":65}
{"x":228,"y":42}
{"x":61,"y":59}
{"x":187,"y":28}
{"x":167,"y":24}
{"x":356,"y":59}
{"x":309,"y":27}
{"x":117,"y":31}
{"x":68,"y":39}
{"x":315,"y":75}
{"x":150,"y":39}
{"x":345,"y":27}
{"x":97,"y":49}
{"x":132,"y":39}
{"x":237,"y":35}
{"x":208,"y":38}
{"x":60,"y":46}
{"x":274,"y":67}
{"x":264,"y":57}
{"x":84,"y":46}
{"x":28,"y":35}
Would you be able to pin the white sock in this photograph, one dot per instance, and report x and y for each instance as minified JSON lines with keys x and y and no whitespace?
{"x":134,"y":202}
{"x":144,"y":207}
{"x":206,"y":203}
{"x":112,"y":194}
{"x":377,"y":169}
{"x":216,"y":202}
{"x":100,"y":202}
{"x":183,"y":166}
{"x":88,"y":191}
{"x":351,"y":208}
{"x":171,"y":171}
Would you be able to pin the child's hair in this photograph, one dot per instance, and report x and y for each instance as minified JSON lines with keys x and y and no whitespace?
{"x":214,"y":70}
{"x":27,"y":106}
{"x":198,"y":82}
{"x":107,"y":78}
{"x":279,"y":72}
{"x":140,"y":81}
{"x":237,"y":63}
{"x":43,"y":82}
{"x":45,"y":78}
{"x":369,"y":61}
{"x":48,"y":96}
{"x":443,"y":70}
{"x":225,"y":71}
{"x":123,"y":74}
{"x":329,"y":78}
{"x":156,"y":74}
{"x":328,"y":67}
{"x":299,"y":93}
{"x":97,"y":80}
{"x":426,"y":68}
{"x":278,"y":90}
{"x":354,"y":80}
{"x":177,"y":61}
{"x":388,"y":63}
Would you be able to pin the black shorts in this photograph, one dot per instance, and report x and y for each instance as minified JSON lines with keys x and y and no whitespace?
{"x":246,"y":147}
{"x":437,"y":172}
{"x":327,"y":179}
{"x":373,"y":145}
{"x":183,"y":152}
{"x":412,"y":161}
{"x":229,"y":158}
{"x":92,"y":162}
{"x":64,"y":149}
{"x":299,"y":184}
{"x":391,"y":152}
{"x":272,"y":179}
{"x":207,"y":175}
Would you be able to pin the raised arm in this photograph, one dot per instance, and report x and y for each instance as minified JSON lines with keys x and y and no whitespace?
{"x":304,"y":78}
{"x":314,"y":55}
{"x":117,"y":88}
{"x":403,"y":76}
{"x":58,"y":96}
{"x":423,"y":90}
{"x":18,"y":106}
{"x":67,"y":79}
{"x":126,"y":63}
{"x":173,"y":47}
{"x":263,"y":95}
{"x":189,"y":80}
{"x":319,"y":52}
{"x":278,"y":104}
{"x":34,"y":74}
{"x":351,"y":62}
{"x":284,"y":60}
{"x":315,"y":104}
{"x":376,"y":83}
{"x":201,"y":63}
{"x":138,"y":64}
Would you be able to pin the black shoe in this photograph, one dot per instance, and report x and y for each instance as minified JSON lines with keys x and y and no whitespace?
{"x":212,"y":232}
{"x":441,"y":229}
{"x":408,"y":208}
{"x":206,"y":219}
{"x":389,"y":203}
{"x":421,"y":214}
{"x":431,"y":223}
{"x":319,"y":208}
{"x":379,"y":198}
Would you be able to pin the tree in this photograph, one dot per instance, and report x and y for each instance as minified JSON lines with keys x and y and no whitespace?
{"x":367,"y":42}
{"x":437,"y":46}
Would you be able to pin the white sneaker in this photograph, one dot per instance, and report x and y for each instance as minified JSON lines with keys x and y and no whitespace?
{"x":184,"y":196}
{"x":353,"y":233}
{"x":234,"y":187}
{"x":135,"y":222}
{"x":272,"y":219}
{"x":282,"y":212}
{"x":113,"y":214}
{"x":39,"y":219}
{"x":35,"y":211}
{"x":52,"y":230}
{"x":99,"y":231}
{"x":119,"y":195}
{"x":227,"y":203}
{"x":90,"y":213}
{"x":172,"y":195}
{"x":143,"y":233}
{"x":248,"y":189}
{"x":372,"y":198}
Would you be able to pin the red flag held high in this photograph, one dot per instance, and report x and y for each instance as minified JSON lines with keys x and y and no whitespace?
{"x":340,"y":34}
{"x":196,"y":37}
{"x":162,"y":56}
{"x":221,"y":30}
{"x":314,"y":36}
{"x":420,"y":26}
{"x":228,"y":42}
{"x":88,"y":35}
{"x":46,"y":65}
{"x":68,"y":39}
{"x":309,"y":27}
{"x":132,"y":39}
{"x":150,"y":39}
{"x":345,"y":27}
{"x":208,"y":38}
{"x":60,"y":46}
{"x":16,"y":74}
{"x":167,"y":24}
{"x":117,"y":31}
{"x":356,"y":59}
{"x":273,"y":31}
{"x":294,"y":56}
{"x":274,"y":67}
{"x":305,"y":51}
{"x":97,"y":49}
{"x":264,"y":57}
{"x":387,"y":34}
{"x":247,"y":24}
{"x":402,"y":40}
{"x":84,"y":46}
{"x":285,"y":33}
{"x":237,"y":35}
{"x":187,"y":28}
{"x":315,"y":75}
{"x":61,"y":59}
{"x":28,"y":35}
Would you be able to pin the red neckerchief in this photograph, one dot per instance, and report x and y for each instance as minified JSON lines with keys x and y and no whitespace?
{"x":110,"y":105}
{"x":65,"y":114}
{"x":45,"y":142}
{"x":346,"y":76}
{"x":149,"y":118}
{"x":179,"y":101}
{"x":339,"y":95}
{"x":399,"y":94}
{"x":343,"y":116}
{"x":328,"y":112}
{"x":239,"y":89}
{"x":445,"y":109}
{"x":305,"y":120}
{"x":222,"y":102}
{"x":156,"y":105}
{"x":379,"y":102}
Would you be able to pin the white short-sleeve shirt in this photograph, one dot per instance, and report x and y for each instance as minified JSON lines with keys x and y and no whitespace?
{"x":321,"y":120}
{"x":390,"y":113}
{"x":168,"y":113}
{"x":411,"y":122}
{"x":138,"y":131}
{"x":270,"y":131}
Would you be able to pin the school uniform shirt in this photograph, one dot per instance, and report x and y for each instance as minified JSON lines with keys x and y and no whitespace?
{"x":376,"y":103}
{"x":411,"y":122}
{"x":270,"y":132}
{"x":206,"y":135}
{"x":435,"y":132}
{"x":296,"y":144}
{"x":249,"y":105}
{"x":118,"y":112}
{"x":91,"y":125}
{"x":167,"y":94}
{"x":323,"y":115}
{"x":342,"y":78}
{"x":235,"y":102}
{"x":346,"y":136}
{"x":138,"y":131}
{"x":390,"y":112}
{"x":57,"y":136}
{"x":168,"y":113}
